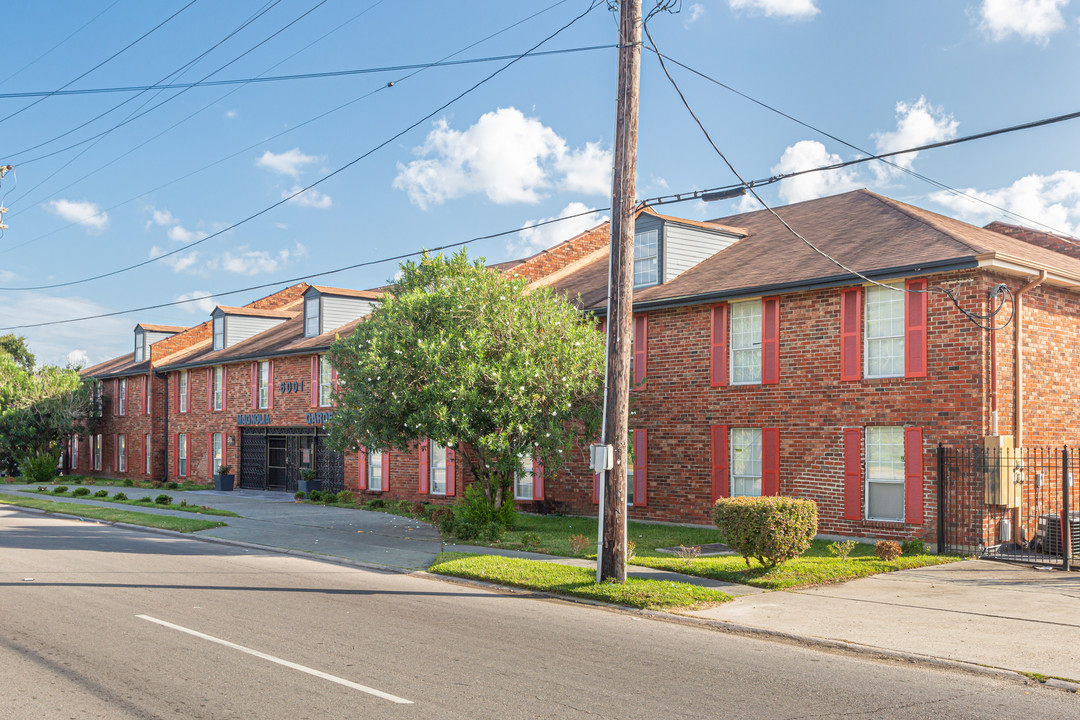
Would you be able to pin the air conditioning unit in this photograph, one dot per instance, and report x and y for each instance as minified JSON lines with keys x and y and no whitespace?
{"x":1048,"y":534}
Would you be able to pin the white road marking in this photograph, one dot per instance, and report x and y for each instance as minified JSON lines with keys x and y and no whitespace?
{"x":279,"y":661}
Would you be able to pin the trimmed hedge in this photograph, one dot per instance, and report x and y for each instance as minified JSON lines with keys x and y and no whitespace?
{"x":771,"y":529}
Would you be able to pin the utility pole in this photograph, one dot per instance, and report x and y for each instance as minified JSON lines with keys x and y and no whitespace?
{"x":620,"y":319}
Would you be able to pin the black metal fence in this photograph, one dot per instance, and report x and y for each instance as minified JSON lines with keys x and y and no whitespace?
{"x":1009,"y":504}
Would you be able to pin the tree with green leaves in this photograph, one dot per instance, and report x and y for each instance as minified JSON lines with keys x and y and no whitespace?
{"x":16,"y":347}
{"x":472,"y":359}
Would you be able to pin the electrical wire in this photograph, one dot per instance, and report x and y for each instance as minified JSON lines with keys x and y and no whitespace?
{"x":286,"y":131}
{"x":973,"y":317}
{"x":298,"y":278}
{"x":111,"y":57}
{"x":321,"y":180}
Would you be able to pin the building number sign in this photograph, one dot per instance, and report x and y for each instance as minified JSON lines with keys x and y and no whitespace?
{"x":292,"y":387}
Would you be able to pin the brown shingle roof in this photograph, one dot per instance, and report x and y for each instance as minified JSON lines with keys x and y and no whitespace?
{"x":345,"y":292}
{"x":117,"y":367}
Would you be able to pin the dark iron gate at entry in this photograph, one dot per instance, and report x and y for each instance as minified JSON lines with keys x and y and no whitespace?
{"x":272,"y":458}
{"x":1005,"y":504}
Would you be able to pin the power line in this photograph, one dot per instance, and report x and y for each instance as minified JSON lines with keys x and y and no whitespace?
{"x":111,"y":57}
{"x":321,"y":180}
{"x":298,"y":278}
{"x":286,"y":131}
{"x":300,"y":76}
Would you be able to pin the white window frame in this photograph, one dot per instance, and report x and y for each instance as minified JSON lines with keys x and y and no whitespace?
{"x":745,"y":440}
{"x":749,"y":341}
{"x":217,"y":451}
{"x":96,"y":442}
{"x":183,"y":391}
{"x":74,"y":452}
{"x":374,"y":471}
{"x":630,"y":468}
{"x":219,"y":390}
{"x":312,"y":321}
{"x":140,"y":346}
{"x":121,"y":453}
{"x":436,"y":472}
{"x":326,"y":383}
{"x":122,"y":399}
{"x":181,"y":455}
{"x":146,"y":453}
{"x":524,"y":479}
{"x":219,"y":332}
{"x":264,"y":384}
{"x":883,"y":470}
{"x":876,"y":298}
{"x":647,"y":258}
{"x":146,"y":394}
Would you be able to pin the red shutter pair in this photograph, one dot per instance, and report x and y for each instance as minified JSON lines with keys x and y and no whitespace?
{"x":913,"y":475}
{"x":770,"y":343}
{"x":915,"y":313}
{"x":721,"y":463}
{"x":362,"y":480}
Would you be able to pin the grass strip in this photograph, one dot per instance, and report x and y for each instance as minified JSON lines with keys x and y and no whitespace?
{"x":575,"y":582}
{"x":165,"y":522}
{"x":197,"y":509}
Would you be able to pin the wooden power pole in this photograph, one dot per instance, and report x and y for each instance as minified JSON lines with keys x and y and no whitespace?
{"x":620,"y":292}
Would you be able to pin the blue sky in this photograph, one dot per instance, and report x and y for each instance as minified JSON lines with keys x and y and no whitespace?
{"x":530,"y":144}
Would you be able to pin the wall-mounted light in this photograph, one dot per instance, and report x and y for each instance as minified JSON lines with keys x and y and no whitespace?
{"x":231,"y":441}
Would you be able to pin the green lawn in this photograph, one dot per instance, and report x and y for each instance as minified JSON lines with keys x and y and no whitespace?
{"x":90,"y":481}
{"x":197,"y":509}
{"x":552,"y":535}
{"x":166,"y":522}
{"x":575,"y":582}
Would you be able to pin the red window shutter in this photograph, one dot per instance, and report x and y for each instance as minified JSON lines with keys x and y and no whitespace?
{"x":362,"y":469}
{"x":852,"y":473}
{"x":851,"y":334}
{"x":189,"y":384}
{"x":641,"y":468}
{"x":146,"y":394}
{"x":314,"y":381}
{"x":718,"y":345}
{"x":210,"y":469}
{"x":176,"y":454}
{"x":720,"y":474}
{"x":175,"y":379}
{"x":144,"y":451}
{"x":224,"y":437}
{"x":915,"y":329}
{"x":224,"y":394}
{"x":254,"y":386}
{"x":385,"y":471}
{"x":209,"y":389}
{"x":187,"y":454}
{"x":641,"y":347}
{"x":770,"y":341}
{"x":270,"y":387}
{"x":451,"y":474}
{"x":116,"y":452}
{"x":538,"y":478}
{"x":770,"y":461}
{"x":913,"y":475}
{"x":423,"y":467}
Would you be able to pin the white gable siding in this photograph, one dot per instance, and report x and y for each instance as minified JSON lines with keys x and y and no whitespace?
{"x":336,"y":311}
{"x":684,"y":247}
{"x":240,"y":327}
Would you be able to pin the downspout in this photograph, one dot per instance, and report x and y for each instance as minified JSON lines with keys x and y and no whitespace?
{"x":1018,"y":415}
{"x":165,"y":377}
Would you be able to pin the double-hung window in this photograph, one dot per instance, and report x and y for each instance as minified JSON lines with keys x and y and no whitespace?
{"x":646,"y":258}
{"x":630,"y":468}
{"x":146,"y":453}
{"x":326,"y":381}
{"x":374,"y":470}
{"x":437,"y":469}
{"x":123,"y":397}
{"x":311,"y":316}
{"x":884,"y":331}
{"x":74,"y":452}
{"x":523,"y":480}
{"x":218,"y":459}
{"x":264,"y":385}
{"x":219,"y":332}
{"x":121,"y":453}
{"x":181,"y":454}
{"x":746,"y":342}
{"x":746,"y":462}
{"x":219,"y":400}
{"x":183,"y":391}
{"x":885,"y":473}
{"x":96,"y":442}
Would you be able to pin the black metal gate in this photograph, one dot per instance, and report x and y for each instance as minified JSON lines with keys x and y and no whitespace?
{"x":1007,"y":504}
{"x":329,"y":466}
{"x":253,"y":458}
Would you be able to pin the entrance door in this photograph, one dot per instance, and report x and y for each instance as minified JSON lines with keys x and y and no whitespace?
{"x":277,"y":462}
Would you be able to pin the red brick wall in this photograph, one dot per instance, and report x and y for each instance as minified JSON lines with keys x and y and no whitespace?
{"x":1044,"y":240}
{"x":134,"y":425}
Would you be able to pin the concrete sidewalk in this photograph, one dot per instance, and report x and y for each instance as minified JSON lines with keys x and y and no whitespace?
{"x":979,"y":612}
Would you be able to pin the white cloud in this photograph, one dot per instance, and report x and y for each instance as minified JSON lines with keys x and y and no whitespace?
{"x":1034,"y":20}
{"x":159,"y":217}
{"x":77,"y":357}
{"x":919,"y":123}
{"x":181,"y":234}
{"x":290,"y":162}
{"x":693,"y":14}
{"x":85,"y":213}
{"x":181,"y":262}
{"x":252,"y":262}
{"x":202,"y":301}
{"x":810,"y":154}
{"x":104,"y":338}
{"x":311,"y":198}
{"x":1051,"y":199}
{"x":506,"y":156}
{"x":7,"y":275}
{"x":534,"y":239}
{"x":789,"y":9}
{"x":231,"y":114}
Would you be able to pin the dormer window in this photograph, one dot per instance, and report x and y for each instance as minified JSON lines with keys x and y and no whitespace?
{"x":646,"y":258}
{"x":219,"y":332}
{"x":140,"y":346}
{"x":311,"y":316}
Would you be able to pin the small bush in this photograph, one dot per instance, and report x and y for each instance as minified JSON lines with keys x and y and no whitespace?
{"x":688,"y":554}
{"x":631,"y":550}
{"x":60,"y":489}
{"x":579,"y":543}
{"x":80,"y":491}
{"x":171,"y":485}
{"x":163,"y":499}
{"x":119,"y":496}
{"x":913,"y":547}
{"x":183,"y":503}
{"x":419,"y":510}
{"x":315,"y":496}
{"x":328,"y":497}
{"x":76,"y":480}
{"x":90,"y":481}
{"x":887,"y":550}
{"x":474,"y":508}
{"x":345,"y":497}
{"x":145,"y":499}
{"x":375,"y":504}
{"x":443,"y":519}
{"x":298,"y":495}
{"x":403,"y":507}
{"x":465,"y":530}
{"x":128,"y":482}
{"x":40,"y":468}
{"x":492,"y":532}
{"x":529,"y":539}
{"x":771,"y":529}
{"x":157,"y":484}
{"x":842,"y":549}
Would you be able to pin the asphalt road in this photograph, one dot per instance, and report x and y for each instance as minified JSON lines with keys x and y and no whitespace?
{"x":102,"y":622}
